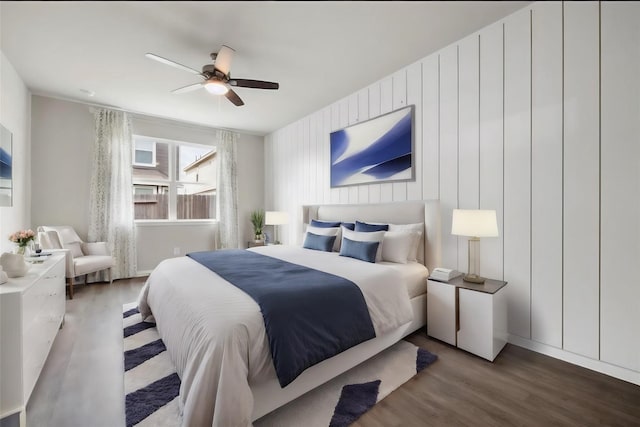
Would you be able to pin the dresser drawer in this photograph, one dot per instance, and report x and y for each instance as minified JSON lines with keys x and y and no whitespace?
{"x":33,"y":301}
{"x":43,"y":307}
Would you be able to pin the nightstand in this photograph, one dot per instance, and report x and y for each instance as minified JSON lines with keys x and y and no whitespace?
{"x":253,"y":244}
{"x":470,"y":316}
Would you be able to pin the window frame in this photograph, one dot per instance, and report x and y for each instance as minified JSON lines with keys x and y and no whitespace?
{"x":171,"y":182}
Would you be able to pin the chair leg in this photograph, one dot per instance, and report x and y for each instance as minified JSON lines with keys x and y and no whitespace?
{"x":70,"y":287}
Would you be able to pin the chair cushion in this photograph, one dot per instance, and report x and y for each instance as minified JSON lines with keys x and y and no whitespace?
{"x":95,"y":248}
{"x":92,"y":263}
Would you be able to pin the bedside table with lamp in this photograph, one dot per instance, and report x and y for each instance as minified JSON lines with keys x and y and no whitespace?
{"x":276,"y":218}
{"x":470,"y":312}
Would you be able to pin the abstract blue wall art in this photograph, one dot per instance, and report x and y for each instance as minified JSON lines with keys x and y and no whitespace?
{"x":375,"y":151}
{"x":6,"y":167}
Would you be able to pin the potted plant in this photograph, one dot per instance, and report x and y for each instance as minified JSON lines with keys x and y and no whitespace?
{"x":257,"y":220}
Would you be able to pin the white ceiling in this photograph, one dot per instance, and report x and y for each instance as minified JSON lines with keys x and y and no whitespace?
{"x":319,"y":52}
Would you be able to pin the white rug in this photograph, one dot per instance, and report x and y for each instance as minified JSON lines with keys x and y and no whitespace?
{"x":152,"y":385}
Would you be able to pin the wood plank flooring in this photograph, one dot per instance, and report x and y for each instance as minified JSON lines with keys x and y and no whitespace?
{"x":82,"y":385}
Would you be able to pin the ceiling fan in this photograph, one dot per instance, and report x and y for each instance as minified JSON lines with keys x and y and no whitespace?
{"x":217,"y":79}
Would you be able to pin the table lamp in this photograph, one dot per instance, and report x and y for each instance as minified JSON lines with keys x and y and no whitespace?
{"x":276,"y":218}
{"x":474,"y":223}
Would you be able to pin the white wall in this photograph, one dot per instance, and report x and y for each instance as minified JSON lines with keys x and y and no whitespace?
{"x":62,"y":136}
{"x":519,"y":118}
{"x":61,"y":172}
{"x":15,"y":115}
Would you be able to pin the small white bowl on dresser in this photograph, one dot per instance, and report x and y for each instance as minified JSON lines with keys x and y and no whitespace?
{"x":13,"y":264}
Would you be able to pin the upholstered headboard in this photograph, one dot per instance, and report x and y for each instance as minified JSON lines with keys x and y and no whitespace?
{"x":426,"y":211}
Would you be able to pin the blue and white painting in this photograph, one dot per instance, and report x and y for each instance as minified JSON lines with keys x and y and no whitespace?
{"x":378,"y":150}
{"x":6,"y":167}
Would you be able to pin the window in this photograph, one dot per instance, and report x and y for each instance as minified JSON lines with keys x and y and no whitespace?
{"x":144,"y":153}
{"x":173,"y":180}
{"x":140,"y":190}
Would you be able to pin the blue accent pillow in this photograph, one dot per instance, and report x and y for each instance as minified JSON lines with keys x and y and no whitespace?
{"x":319,"y":243}
{"x":363,"y":226}
{"x":365,"y":251}
{"x":349,"y":225}
{"x":325,"y":224}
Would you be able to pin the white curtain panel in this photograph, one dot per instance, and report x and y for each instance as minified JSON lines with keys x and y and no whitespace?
{"x":111,"y":215}
{"x":227,"y":189}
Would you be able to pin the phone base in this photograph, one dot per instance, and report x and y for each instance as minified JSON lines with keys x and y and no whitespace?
{"x":473,"y":278}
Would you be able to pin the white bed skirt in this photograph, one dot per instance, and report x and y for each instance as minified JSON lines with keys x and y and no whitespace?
{"x":268,"y":395}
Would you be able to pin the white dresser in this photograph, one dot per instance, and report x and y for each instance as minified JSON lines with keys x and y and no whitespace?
{"x":31,"y":311}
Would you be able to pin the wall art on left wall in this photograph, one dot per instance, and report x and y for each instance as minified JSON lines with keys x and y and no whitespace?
{"x":6,"y":166}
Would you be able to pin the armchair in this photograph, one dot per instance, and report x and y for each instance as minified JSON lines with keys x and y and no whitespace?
{"x":81,"y":258}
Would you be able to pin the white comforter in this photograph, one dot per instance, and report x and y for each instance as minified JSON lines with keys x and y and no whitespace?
{"x":215,"y":334}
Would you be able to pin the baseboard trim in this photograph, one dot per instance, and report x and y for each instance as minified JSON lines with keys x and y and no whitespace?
{"x":143,"y":273}
{"x":595,"y":365}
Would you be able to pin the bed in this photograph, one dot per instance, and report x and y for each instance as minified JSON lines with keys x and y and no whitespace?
{"x":215,"y":333}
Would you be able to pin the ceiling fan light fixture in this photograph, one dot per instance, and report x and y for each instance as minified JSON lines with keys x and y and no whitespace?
{"x":215,"y":77}
{"x":216,"y":87}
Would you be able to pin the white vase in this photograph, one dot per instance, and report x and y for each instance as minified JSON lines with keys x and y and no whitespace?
{"x":14,"y":264}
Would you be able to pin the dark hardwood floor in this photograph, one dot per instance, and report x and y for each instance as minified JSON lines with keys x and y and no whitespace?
{"x":82,"y":384}
{"x":520,"y":388}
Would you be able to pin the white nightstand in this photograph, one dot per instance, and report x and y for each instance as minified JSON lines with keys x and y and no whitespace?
{"x":470,"y":316}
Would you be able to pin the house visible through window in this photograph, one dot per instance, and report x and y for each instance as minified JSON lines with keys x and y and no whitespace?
{"x":173,"y":180}
{"x":144,"y":153}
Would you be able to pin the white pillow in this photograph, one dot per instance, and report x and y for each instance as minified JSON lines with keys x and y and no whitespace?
{"x":361,"y":236}
{"x":397,"y":245}
{"x":327,"y":231}
{"x":75,"y":248}
{"x":419,"y":229}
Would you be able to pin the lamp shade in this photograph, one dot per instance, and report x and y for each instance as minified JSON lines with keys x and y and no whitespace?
{"x":474,"y":223}
{"x":276,"y":218}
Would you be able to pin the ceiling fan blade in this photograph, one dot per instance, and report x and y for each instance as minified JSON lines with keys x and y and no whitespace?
{"x":255,"y":84}
{"x":233,"y":97}
{"x":171,"y":63}
{"x":223,"y":60}
{"x":188,"y":88}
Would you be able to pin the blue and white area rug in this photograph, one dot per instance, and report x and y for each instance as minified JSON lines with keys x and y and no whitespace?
{"x":152,"y":385}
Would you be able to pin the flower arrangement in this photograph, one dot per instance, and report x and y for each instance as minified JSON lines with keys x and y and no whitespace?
{"x":22,"y":238}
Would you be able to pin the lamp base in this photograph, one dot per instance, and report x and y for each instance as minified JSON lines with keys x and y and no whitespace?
{"x":473,"y":278}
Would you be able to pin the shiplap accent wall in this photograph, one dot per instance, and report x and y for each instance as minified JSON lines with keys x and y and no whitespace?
{"x":538,"y":117}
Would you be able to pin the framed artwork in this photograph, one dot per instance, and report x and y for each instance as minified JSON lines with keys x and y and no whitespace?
{"x":375,"y":151}
{"x":6,"y":167}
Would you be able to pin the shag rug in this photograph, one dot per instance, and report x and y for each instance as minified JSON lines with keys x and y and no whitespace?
{"x":152,"y":385}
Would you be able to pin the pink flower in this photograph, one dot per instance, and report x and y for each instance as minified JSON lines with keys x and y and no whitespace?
{"x":22,"y":237}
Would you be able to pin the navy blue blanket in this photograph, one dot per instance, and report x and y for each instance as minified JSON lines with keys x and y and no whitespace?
{"x":309,"y":315}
